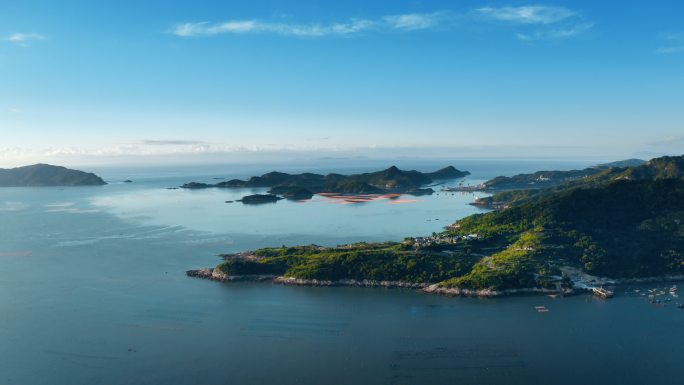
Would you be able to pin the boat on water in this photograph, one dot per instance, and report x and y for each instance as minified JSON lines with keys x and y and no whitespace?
{"x":602,"y":292}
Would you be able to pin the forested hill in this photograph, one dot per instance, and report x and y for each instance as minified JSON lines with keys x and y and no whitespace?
{"x":47,"y":175}
{"x":545,"y":179}
{"x":626,"y":228}
{"x":658,"y":168}
{"x":623,"y":163}
{"x":655,"y":169}
{"x":389,"y":180}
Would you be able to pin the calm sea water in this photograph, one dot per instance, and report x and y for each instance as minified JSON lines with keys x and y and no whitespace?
{"x":93,"y":291}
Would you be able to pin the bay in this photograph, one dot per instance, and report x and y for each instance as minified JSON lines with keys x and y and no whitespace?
{"x":93,"y":291}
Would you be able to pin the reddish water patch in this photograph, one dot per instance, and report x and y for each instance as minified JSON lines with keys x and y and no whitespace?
{"x":360,"y":198}
{"x":401,"y":201}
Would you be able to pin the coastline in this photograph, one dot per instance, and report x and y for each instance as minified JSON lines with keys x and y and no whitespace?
{"x":581,"y":279}
{"x":291,"y":281}
{"x":428,"y":288}
{"x":490,"y":293}
{"x":214,"y":275}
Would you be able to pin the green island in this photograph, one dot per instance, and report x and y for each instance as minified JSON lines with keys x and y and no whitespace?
{"x":45,"y":175}
{"x":619,"y":225}
{"x":256,"y":199}
{"x":303,"y":186}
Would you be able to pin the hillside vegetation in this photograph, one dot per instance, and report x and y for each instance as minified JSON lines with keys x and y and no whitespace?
{"x":620,"y":222}
{"x":666,"y":167}
{"x":47,"y":175}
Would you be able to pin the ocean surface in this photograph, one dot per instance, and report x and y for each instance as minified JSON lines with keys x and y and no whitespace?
{"x":93,"y":291}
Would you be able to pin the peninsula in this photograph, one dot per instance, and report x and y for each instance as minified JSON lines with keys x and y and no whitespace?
{"x":627,"y":224}
{"x":507,"y":194}
{"x":303,"y":186}
{"x":42,"y":175}
{"x":545,"y":179}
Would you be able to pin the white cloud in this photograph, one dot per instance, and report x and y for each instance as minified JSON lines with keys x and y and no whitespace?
{"x":556,"y":33}
{"x":15,"y":110}
{"x":141,"y":148}
{"x":537,"y":14}
{"x":539,"y":22}
{"x":671,"y":49}
{"x":24,"y":38}
{"x":413,"y":21}
{"x":546,"y":22}
{"x":675,"y":41}
{"x":406,"y":22}
{"x":238,"y":27}
{"x":165,"y":142}
{"x":672,"y":35}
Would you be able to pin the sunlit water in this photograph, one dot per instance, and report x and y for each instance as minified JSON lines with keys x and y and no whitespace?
{"x":93,"y":291}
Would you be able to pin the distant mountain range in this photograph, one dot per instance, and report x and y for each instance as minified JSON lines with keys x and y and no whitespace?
{"x":545,"y":179}
{"x":391,"y":180}
{"x":521,"y":188}
{"x":633,"y":162}
{"x":39,"y":175}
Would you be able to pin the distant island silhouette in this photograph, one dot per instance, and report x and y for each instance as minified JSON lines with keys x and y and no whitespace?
{"x":42,"y":175}
{"x":303,"y":186}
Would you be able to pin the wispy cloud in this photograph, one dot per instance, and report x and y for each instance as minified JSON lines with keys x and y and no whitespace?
{"x":535,"y":22}
{"x":537,"y":14}
{"x":674,"y":43}
{"x":156,"y":142}
{"x":405,"y":22}
{"x":672,"y":36}
{"x":672,"y":49}
{"x":555,"y":33}
{"x":23,"y":39}
{"x":542,"y":22}
{"x":15,"y":110}
{"x":238,"y":27}
{"x":414,"y":21}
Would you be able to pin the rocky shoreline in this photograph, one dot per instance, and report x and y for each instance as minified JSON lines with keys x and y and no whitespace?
{"x":348,"y":282}
{"x":456,"y":292}
{"x":215,"y":275}
{"x":580,"y":279}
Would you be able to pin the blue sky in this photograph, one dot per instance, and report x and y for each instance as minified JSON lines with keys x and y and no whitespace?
{"x":107,"y":81}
